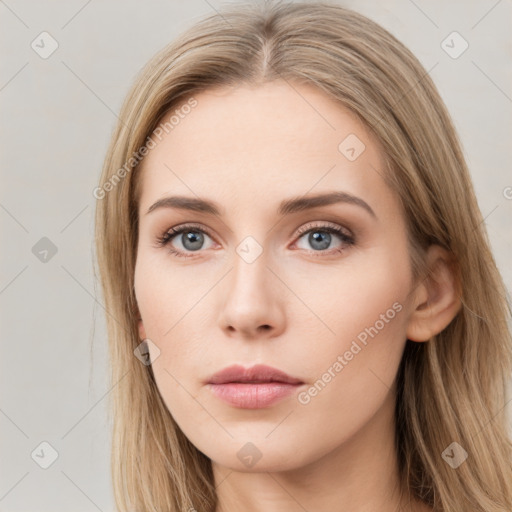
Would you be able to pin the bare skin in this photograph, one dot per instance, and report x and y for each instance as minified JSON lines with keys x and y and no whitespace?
{"x":298,"y":306}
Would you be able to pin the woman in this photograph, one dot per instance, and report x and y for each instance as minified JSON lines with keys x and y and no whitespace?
{"x":303,"y":309}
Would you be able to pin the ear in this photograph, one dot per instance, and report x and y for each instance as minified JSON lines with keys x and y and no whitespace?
{"x":142,"y":331}
{"x":436,"y":298}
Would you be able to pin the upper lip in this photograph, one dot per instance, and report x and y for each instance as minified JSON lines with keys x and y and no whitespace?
{"x":256,"y":374}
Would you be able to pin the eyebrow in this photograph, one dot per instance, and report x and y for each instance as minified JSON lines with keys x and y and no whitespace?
{"x":286,"y":207}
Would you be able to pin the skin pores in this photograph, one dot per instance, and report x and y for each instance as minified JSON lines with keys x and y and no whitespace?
{"x":247,"y":149}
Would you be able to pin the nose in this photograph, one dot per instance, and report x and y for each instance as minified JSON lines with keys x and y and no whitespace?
{"x":252,"y":299}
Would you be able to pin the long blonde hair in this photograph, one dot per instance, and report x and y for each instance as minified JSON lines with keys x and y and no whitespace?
{"x":451,"y":388}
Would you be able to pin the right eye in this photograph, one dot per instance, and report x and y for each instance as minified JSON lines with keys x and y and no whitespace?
{"x":191,"y":240}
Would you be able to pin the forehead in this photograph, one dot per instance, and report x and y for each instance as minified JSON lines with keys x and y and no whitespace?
{"x":255,"y":145}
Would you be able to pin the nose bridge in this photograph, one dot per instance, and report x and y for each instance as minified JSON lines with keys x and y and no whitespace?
{"x":250,"y":266}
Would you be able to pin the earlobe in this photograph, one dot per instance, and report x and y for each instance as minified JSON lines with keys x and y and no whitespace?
{"x":437,"y":297}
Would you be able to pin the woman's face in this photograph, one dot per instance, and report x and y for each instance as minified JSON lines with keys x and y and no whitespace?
{"x":268,"y":279}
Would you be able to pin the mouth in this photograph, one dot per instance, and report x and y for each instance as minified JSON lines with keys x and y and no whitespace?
{"x":252,"y":388}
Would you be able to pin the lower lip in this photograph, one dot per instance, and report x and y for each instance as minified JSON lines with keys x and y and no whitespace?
{"x":252,"y":396}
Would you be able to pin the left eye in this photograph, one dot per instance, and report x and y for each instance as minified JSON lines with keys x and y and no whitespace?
{"x":320,"y":238}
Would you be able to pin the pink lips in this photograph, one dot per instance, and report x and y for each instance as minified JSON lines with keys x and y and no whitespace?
{"x":252,"y":388}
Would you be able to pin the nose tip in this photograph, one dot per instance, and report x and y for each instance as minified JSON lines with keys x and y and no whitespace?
{"x":251,"y":307}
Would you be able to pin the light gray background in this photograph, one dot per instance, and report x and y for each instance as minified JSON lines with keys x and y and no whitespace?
{"x":57,"y":116}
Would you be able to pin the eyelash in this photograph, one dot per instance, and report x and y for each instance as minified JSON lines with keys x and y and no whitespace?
{"x":169,"y":235}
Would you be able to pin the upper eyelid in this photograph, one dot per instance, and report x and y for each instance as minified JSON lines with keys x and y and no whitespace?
{"x":324,"y":225}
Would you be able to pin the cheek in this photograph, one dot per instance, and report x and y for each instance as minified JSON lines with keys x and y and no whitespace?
{"x":358,"y":331}
{"x":151,"y":294}
{"x":347,"y":299}
{"x":172,"y":308}
{"x":161,"y":308}
{"x":164,"y":296}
